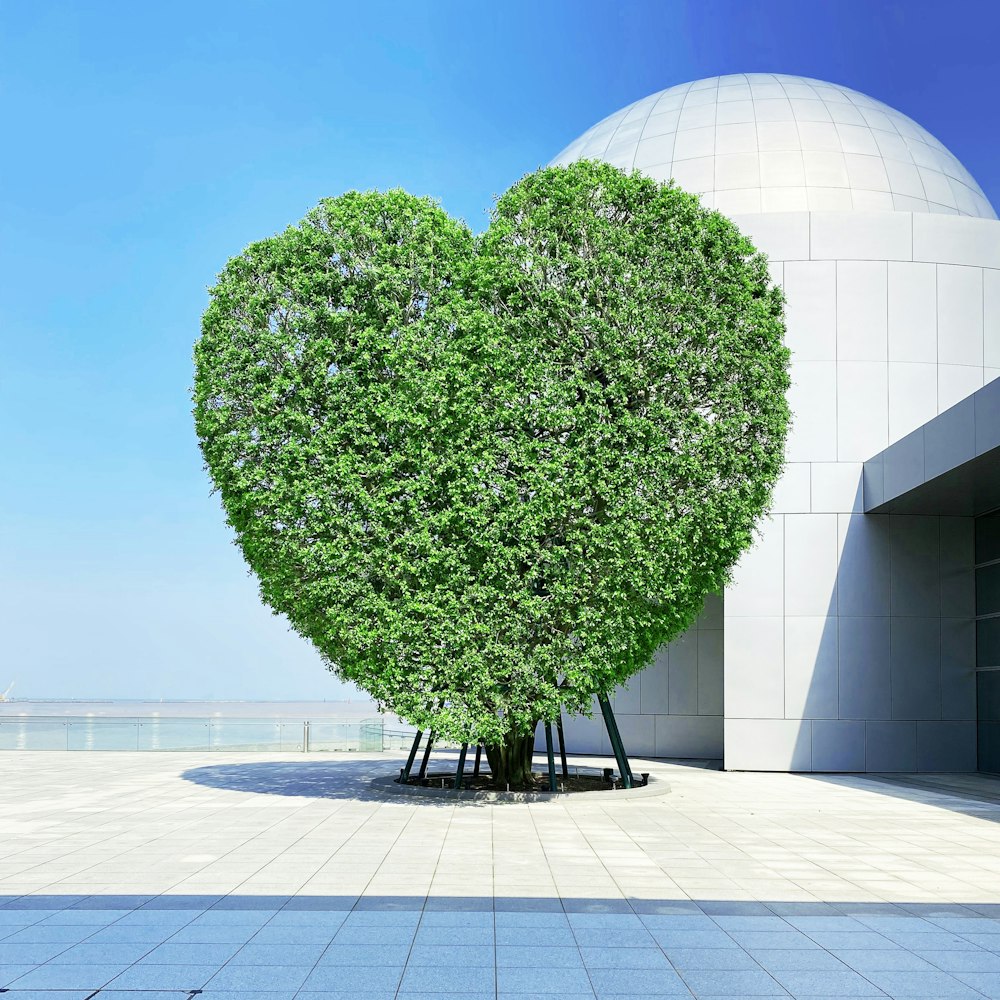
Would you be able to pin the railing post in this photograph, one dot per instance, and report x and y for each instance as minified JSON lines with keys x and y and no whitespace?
{"x":305,"y":736}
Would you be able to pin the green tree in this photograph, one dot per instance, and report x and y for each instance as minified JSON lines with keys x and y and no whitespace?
{"x":489,"y":477}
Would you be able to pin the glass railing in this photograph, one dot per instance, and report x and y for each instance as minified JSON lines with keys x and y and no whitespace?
{"x":108,"y":733}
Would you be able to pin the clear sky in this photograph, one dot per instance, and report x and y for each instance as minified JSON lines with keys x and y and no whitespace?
{"x":147,"y":143}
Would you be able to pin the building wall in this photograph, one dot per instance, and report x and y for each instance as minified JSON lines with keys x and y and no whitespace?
{"x":673,"y":708}
{"x":850,"y":638}
{"x":988,"y":640}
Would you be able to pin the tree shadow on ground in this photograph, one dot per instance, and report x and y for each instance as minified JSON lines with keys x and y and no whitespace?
{"x":333,"y":778}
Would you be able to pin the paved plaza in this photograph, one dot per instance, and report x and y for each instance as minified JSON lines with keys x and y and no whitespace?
{"x":162,"y":876}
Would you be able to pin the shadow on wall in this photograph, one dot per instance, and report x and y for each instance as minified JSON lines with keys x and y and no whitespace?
{"x":671,"y":708}
{"x":871,"y":619}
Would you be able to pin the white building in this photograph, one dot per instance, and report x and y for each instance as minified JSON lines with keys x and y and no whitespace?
{"x":848,"y":638}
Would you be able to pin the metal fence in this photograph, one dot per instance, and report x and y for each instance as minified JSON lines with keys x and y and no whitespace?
{"x":35,"y":732}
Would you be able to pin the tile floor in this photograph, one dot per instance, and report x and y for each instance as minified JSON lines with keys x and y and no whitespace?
{"x":165,"y":876}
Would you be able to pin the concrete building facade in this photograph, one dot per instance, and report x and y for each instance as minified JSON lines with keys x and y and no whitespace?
{"x":847,"y":640}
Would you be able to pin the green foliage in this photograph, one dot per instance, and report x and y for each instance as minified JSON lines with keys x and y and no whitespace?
{"x":490,"y":476}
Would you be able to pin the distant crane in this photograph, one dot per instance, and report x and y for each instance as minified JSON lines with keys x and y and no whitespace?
{"x":3,"y":697}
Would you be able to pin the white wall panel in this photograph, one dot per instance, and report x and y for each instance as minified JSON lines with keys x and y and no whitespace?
{"x":991,"y":319}
{"x":810,"y":564}
{"x":960,"y":315}
{"x":862,"y":409}
{"x":947,"y":240}
{"x":913,"y":396}
{"x":912,"y":312}
{"x":792,"y":493}
{"x":811,"y":680}
{"x":782,"y":236}
{"x":811,"y":309}
{"x":813,"y":402}
{"x":757,"y":587}
{"x":836,"y":487}
{"x":861,"y":236}
{"x":754,"y":682}
{"x":768,"y":745}
{"x":862,"y":310}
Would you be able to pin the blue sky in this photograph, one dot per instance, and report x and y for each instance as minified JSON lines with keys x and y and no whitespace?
{"x":147,"y":143}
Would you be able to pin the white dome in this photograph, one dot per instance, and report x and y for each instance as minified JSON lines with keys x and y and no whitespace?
{"x":764,"y":142}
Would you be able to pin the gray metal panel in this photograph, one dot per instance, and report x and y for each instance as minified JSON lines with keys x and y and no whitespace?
{"x":959,"y":465}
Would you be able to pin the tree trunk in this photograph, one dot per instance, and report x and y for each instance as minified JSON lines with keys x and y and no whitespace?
{"x":510,"y":761}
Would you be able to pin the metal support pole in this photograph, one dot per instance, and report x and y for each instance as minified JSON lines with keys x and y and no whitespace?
{"x":405,"y":776}
{"x":460,"y":770}
{"x":562,"y":746}
{"x":551,"y":756}
{"x":616,"y":742}
{"x":479,"y":754}
{"x":427,"y":755}
{"x":305,"y":737}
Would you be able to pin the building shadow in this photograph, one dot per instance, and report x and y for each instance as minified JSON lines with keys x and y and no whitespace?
{"x":970,"y":793}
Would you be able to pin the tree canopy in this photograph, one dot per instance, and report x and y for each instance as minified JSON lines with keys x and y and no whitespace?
{"x":490,"y":476}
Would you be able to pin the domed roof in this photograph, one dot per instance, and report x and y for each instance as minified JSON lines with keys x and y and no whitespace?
{"x":763,"y":142}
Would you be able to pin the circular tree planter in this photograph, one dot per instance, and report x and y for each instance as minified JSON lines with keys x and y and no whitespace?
{"x":440,"y":785}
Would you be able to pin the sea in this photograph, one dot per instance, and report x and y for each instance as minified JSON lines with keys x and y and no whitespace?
{"x":113,"y":724}
{"x":120,"y":708}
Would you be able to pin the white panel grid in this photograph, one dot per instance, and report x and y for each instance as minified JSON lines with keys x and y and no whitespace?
{"x":960,"y":315}
{"x":891,"y":319}
{"x":991,"y":318}
{"x":851,"y":151}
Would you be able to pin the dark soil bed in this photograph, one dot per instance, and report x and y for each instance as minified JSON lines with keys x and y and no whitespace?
{"x":576,"y":782}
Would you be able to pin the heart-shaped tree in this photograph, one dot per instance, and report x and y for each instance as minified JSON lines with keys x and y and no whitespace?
{"x":488,"y":477}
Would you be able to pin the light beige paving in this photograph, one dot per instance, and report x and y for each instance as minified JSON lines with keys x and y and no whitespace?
{"x":293,"y":824}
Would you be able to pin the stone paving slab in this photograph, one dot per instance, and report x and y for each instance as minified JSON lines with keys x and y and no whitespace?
{"x":127,"y":875}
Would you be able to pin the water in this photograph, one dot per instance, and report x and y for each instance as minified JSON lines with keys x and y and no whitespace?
{"x":196,"y":725}
{"x":121,"y":708}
